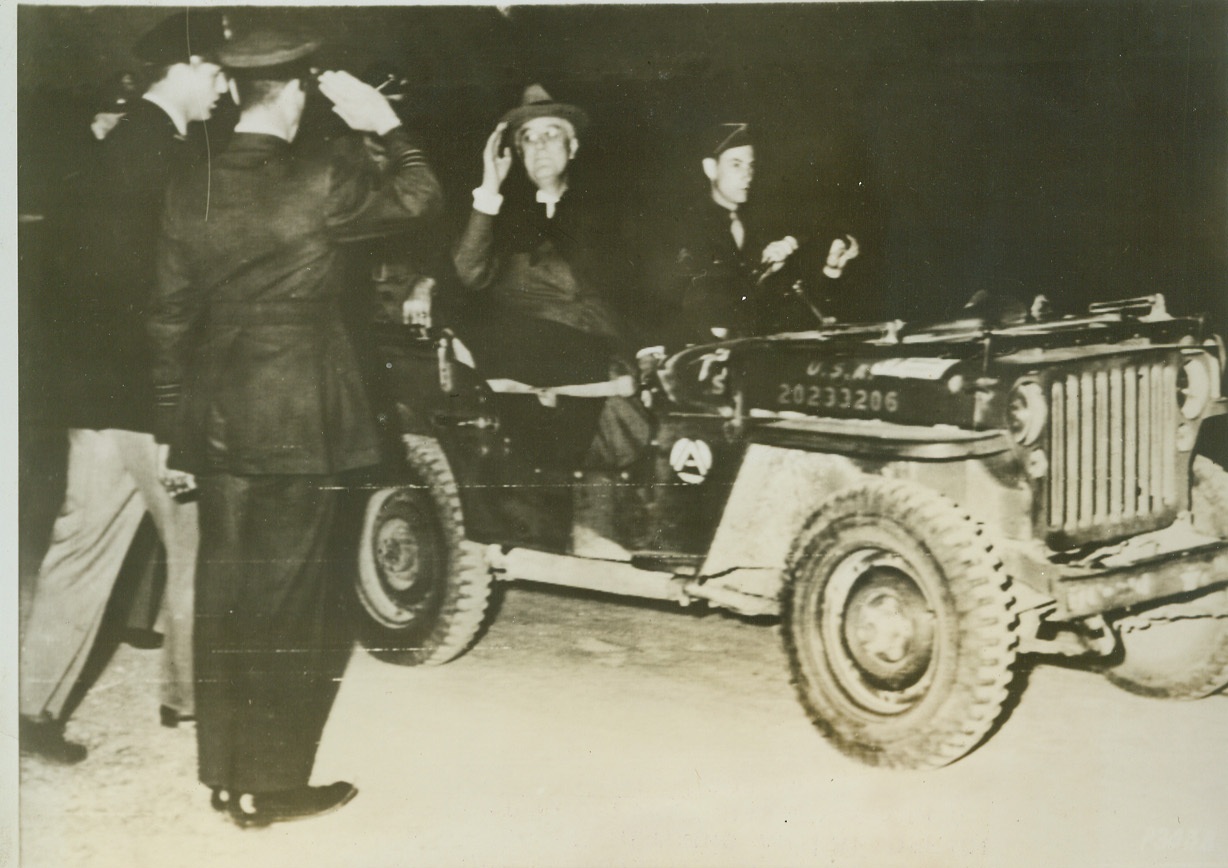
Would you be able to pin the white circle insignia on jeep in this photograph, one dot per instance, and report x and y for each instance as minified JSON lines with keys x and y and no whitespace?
{"x":691,"y":460}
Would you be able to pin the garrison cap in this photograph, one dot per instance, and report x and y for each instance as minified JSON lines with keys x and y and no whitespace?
{"x":263,"y":49}
{"x":722,"y":137}
{"x":536,"y":103}
{"x":193,"y":32}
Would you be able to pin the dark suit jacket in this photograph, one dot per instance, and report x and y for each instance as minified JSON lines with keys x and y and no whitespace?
{"x":559,"y":269}
{"x":715,"y":284}
{"x":713,"y":279}
{"x":106,"y":243}
{"x":252,"y":365}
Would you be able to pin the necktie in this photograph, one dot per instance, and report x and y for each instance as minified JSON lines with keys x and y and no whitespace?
{"x":737,"y":229}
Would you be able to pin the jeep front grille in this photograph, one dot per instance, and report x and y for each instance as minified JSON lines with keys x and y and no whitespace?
{"x":1112,"y":450}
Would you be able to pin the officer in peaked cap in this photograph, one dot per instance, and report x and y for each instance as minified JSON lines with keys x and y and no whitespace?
{"x":107,"y":398}
{"x":261,"y":394}
{"x":180,"y":53}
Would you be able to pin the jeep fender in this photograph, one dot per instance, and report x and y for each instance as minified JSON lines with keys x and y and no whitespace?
{"x":793,"y":466}
{"x":748,"y":553}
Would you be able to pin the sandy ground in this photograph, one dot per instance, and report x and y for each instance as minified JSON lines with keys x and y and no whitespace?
{"x":585,"y":732}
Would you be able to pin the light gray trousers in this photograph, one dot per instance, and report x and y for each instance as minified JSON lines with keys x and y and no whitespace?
{"x":112,"y":483}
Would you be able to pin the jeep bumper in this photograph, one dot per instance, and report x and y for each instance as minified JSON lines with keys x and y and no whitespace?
{"x":1081,"y":592}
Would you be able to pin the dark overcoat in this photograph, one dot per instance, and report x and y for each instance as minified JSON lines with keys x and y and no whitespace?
{"x":106,"y":241}
{"x":252,"y":365}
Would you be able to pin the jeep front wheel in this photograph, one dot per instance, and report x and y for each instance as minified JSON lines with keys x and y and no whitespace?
{"x":423,"y":587}
{"x":1180,"y":651}
{"x":899,"y":626}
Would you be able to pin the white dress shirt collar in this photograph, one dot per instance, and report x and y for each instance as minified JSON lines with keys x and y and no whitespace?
{"x":550,"y":200}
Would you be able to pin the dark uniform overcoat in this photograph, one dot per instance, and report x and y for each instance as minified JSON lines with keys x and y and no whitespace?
{"x":260,"y":395}
{"x":254,"y":369}
{"x":108,"y":237}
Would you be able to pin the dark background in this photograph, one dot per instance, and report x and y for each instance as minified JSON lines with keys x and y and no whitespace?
{"x":1075,"y":149}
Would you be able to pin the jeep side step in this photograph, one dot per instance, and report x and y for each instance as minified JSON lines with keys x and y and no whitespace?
{"x":619,"y":578}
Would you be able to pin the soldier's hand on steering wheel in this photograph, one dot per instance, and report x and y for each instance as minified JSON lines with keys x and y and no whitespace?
{"x":841,"y":251}
{"x":777,"y":252}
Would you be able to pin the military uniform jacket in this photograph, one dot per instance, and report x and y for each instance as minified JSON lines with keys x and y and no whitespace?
{"x":253,"y":368}
{"x":714,"y":280}
{"x":107,"y":244}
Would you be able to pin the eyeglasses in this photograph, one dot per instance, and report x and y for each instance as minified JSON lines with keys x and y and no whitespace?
{"x":541,"y":138}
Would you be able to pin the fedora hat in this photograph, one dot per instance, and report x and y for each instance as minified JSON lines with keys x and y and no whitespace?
{"x":537,"y":103}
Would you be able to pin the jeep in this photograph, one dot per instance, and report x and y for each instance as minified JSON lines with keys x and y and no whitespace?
{"x":919,"y":508}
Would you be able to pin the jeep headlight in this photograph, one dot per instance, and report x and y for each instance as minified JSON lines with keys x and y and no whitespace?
{"x":1026,"y":412}
{"x":1197,"y":384}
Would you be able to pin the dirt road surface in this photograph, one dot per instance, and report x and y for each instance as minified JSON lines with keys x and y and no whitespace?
{"x":589,"y":732}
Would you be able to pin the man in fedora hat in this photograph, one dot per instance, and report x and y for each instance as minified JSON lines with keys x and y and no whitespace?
{"x":723,"y":256}
{"x":540,"y":262}
{"x":107,"y":400}
{"x":260,"y":397}
{"x":544,"y":269}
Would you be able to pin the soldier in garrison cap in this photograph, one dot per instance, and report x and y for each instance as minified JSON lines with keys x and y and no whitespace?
{"x":260,"y":397}
{"x":109,"y":241}
{"x":722,"y":257}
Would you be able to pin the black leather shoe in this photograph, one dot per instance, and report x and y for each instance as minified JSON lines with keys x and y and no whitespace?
{"x":171,"y":717}
{"x":253,"y":810}
{"x":45,"y":740}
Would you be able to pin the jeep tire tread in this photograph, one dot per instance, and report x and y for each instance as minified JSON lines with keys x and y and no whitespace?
{"x":899,"y":626}
{"x":1180,"y":651}
{"x":424,"y":588}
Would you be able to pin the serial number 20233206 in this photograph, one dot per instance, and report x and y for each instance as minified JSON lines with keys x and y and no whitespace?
{"x":837,"y":398}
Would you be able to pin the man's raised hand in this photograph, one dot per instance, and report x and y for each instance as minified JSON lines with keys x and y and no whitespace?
{"x":496,"y":160}
{"x":359,"y":104}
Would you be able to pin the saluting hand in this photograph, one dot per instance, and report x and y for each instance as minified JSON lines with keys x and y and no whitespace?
{"x":357,"y":103}
{"x":496,"y":162}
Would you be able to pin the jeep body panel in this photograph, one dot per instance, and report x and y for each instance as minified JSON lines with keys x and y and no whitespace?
{"x":916,"y":507}
{"x":773,"y":426}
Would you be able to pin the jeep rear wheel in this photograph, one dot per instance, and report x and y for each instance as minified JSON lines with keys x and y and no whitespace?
{"x":423,"y":587}
{"x":899,"y":626}
{"x":1180,"y":651}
